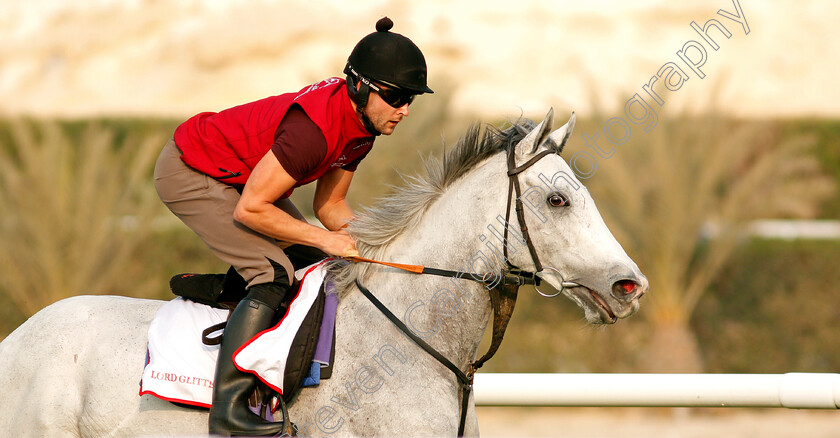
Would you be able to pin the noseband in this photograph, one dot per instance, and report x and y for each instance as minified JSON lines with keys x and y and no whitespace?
{"x":502,"y":293}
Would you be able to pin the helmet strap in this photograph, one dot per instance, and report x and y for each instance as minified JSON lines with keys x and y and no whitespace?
{"x":360,"y":97}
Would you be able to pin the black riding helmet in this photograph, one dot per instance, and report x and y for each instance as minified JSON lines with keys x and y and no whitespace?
{"x":387,"y":58}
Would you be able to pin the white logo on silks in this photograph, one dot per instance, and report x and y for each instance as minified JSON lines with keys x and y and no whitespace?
{"x":319,"y":85}
{"x":340,"y":162}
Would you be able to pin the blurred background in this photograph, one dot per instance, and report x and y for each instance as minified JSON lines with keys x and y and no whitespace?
{"x":729,"y":204}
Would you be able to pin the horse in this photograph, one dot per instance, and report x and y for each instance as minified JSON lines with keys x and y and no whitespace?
{"x":73,"y":369}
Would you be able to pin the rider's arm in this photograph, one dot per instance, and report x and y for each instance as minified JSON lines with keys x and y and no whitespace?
{"x":256,"y":210}
{"x":330,"y":204}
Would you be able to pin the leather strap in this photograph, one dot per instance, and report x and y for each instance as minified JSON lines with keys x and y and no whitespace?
{"x":503,"y":300}
{"x":514,"y":276}
{"x":517,"y":170}
{"x":205,"y":334}
{"x":515,"y":194}
{"x":462,"y":377}
{"x":466,"y":382}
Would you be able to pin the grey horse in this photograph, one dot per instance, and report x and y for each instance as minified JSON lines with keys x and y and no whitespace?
{"x":72,"y":370}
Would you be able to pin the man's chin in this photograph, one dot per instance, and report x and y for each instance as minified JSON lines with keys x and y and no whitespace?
{"x":388,"y":129}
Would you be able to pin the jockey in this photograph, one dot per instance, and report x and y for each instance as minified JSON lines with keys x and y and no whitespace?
{"x":228,"y":176}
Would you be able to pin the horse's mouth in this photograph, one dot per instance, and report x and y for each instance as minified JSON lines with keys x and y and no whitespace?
{"x":588,"y":298}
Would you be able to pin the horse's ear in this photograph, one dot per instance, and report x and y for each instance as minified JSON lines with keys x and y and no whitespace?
{"x":537,"y":136}
{"x":561,"y":136}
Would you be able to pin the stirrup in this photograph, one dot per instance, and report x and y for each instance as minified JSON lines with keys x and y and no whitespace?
{"x":271,"y":400}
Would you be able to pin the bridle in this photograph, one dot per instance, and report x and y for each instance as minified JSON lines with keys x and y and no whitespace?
{"x":502,"y":293}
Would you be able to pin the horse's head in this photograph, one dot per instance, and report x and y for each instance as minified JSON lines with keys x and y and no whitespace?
{"x":578,"y":254}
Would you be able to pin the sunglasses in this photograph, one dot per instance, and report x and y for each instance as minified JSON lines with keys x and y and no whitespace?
{"x":393,"y":96}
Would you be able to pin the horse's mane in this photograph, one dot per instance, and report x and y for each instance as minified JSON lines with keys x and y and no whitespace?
{"x":376,"y":226}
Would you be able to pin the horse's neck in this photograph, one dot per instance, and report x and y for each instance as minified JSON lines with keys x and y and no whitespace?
{"x":450,"y":314}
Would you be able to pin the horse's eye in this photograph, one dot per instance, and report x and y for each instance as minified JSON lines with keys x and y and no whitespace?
{"x":557,"y":200}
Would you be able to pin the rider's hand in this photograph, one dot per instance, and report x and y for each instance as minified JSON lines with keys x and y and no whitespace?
{"x":340,"y":244}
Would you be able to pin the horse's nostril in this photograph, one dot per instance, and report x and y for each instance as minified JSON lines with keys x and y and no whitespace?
{"x":624,"y":289}
{"x":627,"y":285}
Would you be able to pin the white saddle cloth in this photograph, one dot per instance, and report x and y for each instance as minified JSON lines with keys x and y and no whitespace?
{"x":180,"y":368}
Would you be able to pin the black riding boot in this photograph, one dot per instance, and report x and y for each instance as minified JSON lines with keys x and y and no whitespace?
{"x":230,"y":414}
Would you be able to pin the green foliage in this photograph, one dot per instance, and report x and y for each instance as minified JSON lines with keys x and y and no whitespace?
{"x":679,"y":198}
{"x":826,"y":135}
{"x":550,"y":335}
{"x":775,"y":310}
{"x":663,"y":193}
{"x":77,"y":205}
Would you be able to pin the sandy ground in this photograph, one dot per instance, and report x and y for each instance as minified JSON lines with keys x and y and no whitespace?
{"x":657,"y":423}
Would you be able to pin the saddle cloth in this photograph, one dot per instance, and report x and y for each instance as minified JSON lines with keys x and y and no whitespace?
{"x":180,"y":368}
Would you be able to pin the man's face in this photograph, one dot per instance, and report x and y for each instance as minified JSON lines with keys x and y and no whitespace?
{"x":384,"y":116}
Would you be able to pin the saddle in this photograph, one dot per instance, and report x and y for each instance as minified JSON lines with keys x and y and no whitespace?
{"x":215,"y":294}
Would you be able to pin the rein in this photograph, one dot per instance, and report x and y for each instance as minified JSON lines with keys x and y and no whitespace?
{"x":511,"y":276}
{"x":502,"y":295}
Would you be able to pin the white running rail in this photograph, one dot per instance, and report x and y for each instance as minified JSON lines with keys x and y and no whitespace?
{"x":791,"y":390}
